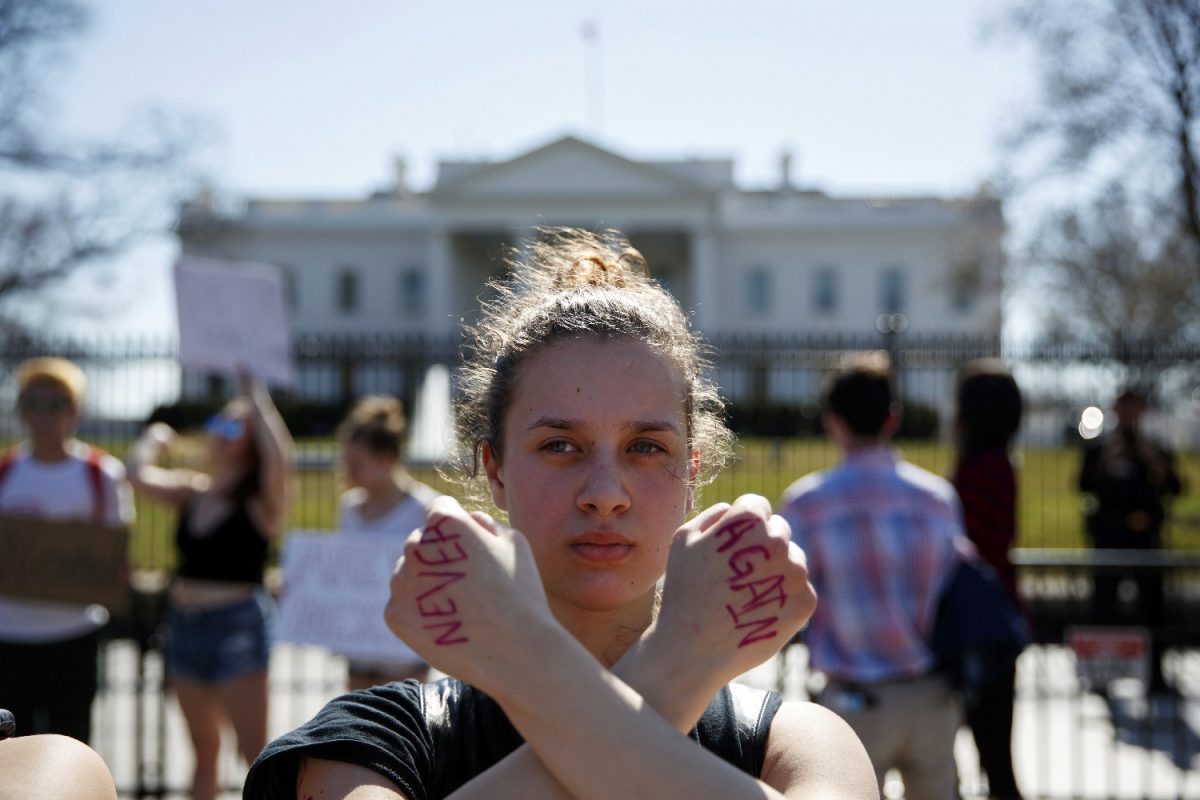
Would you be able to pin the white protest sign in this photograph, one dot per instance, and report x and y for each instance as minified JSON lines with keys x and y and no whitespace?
{"x":233,"y":315}
{"x":335,"y":588}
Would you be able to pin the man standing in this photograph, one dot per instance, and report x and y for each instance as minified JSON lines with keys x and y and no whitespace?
{"x":882,"y":538}
{"x":1127,"y":479}
{"x":49,"y":650}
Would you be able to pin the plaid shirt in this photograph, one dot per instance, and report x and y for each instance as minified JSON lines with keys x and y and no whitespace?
{"x":882,"y":537}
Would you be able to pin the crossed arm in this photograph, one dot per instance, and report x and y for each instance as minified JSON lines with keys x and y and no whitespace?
{"x":735,"y":591}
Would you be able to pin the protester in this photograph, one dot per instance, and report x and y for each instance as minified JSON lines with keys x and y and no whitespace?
{"x":576,"y":674}
{"x":49,"y":651}
{"x":217,"y":617}
{"x":383,"y":500}
{"x":987,"y":419}
{"x":1128,"y":479}
{"x":882,"y":537}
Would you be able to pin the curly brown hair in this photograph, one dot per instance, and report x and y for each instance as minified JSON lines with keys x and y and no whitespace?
{"x":576,"y":284}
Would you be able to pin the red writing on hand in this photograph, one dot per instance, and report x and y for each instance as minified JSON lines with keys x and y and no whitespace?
{"x":438,"y":548}
{"x":735,"y":531}
{"x":762,"y":592}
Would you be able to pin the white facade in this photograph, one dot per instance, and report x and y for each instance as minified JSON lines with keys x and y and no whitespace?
{"x":772,"y":262}
{"x":779,"y":261}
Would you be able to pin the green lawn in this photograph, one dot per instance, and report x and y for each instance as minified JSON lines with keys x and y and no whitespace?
{"x":1049,"y":504}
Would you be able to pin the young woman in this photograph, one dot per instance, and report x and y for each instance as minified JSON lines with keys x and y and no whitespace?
{"x":216,"y":631}
{"x":579,"y":671}
{"x":988,"y":416}
{"x":383,"y":499}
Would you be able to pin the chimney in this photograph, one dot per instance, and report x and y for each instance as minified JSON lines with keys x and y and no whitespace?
{"x":398,"y":170}
{"x":785,"y":170}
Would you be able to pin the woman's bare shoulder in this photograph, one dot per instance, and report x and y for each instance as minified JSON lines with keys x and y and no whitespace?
{"x":51,"y":766}
{"x":811,"y":749}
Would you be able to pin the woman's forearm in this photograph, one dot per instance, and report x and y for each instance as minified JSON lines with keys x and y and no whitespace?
{"x":274,"y":444}
{"x":663,"y":684}
{"x":583,"y":722}
{"x":666,"y":687}
{"x":270,"y":431}
{"x":143,"y":453}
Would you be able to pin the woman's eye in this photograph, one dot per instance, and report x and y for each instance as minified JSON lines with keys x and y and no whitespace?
{"x":647,"y":447}
{"x":559,"y":446}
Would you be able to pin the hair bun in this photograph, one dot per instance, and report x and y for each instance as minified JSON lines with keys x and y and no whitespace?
{"x":573,"y":258}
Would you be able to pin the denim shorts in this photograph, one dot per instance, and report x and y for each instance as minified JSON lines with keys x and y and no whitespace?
{"x":217,"y":644}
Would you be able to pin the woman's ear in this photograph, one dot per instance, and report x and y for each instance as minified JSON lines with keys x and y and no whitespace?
{"x":491,"y":465}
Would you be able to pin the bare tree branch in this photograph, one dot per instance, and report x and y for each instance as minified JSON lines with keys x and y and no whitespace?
{"x":1109,"y":155}
{"x":66,"y":205}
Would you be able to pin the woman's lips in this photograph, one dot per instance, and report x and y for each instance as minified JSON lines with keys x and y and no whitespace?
{"x":602,"y":548}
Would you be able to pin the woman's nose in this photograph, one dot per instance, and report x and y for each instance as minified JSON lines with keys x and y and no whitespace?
{"x":603,"y":491}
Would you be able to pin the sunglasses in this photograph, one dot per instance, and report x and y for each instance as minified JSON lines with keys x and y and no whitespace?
{"x":225,"y":428}
{"x":54,"y":403}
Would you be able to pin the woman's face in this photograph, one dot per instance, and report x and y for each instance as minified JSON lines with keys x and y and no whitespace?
{"x":48,"y":411}
{"x":364,"y":467}
{"x":595,"y":468}
{"x":229,"y":437}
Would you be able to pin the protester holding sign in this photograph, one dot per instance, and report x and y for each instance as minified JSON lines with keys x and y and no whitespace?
{"x":216,"y":634}
{"x":383,"y":499}
{"x":585,"y":401}
{"x":49,"y":651}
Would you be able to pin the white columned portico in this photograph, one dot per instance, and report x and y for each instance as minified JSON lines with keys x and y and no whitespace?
{"x":441,"y":301}
{"x":702,"y":275}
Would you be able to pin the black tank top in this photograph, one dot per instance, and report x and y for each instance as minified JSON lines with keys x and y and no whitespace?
{"x":235,"y":550}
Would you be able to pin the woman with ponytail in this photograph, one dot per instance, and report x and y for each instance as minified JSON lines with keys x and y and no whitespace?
{"x":593,"y":636}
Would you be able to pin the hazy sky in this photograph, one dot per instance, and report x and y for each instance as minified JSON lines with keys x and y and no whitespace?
{"x":308,"y":98}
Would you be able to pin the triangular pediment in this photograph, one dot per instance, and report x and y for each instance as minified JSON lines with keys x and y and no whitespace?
{"x":566,"y":167}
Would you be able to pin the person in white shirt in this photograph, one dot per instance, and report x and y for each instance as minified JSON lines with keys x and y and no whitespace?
{"x":382,"y":499}
{"x":48,"y":650}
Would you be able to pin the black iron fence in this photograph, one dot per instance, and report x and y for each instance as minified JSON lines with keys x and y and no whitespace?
{"x":771,"y":385}
{"x":1070,"y":741}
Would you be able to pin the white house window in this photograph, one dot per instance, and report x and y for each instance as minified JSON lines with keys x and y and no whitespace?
{"x":412,"y":291}
{"x":347,"y":290}
{"x":291,"y":291}
{"x":892,"y":290}
{"x":962,"y":293}
{"x":758,"y":291}
{"x":825,"y":290}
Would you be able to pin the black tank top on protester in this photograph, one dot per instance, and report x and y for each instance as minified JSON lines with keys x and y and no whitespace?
{"x":235,"y":550}
{"x":430,"y":739}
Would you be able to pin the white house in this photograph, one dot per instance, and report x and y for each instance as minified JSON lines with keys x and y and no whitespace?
{"x":778,"y":261}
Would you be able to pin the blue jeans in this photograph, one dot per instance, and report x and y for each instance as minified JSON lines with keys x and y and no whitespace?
{"x":216,"y":644}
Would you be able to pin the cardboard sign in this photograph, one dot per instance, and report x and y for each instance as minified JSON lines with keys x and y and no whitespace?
{"x":1104,"y":654}
{"x":70,"y":562}
{"x":335,"y":588}
{"x":233,"y":315}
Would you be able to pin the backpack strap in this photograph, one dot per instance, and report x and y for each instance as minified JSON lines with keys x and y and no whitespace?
{"x":95,"y":457}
